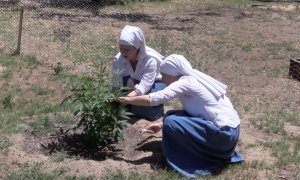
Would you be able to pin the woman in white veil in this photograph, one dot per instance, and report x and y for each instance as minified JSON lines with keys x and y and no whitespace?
{"x":139,"y":67}
{"x":202,"y":137}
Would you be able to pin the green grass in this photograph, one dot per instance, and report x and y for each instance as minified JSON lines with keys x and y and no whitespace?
{"x":136,"y":175}
{"x":11,"y":88}
{"x":273,"y":121}
{"x":38,"y":107}
{"x":7,"y":74}
{"x":246,"y":47}
{"x":234,"y":171}
{"x":65,"y":117}
{"x":42,"y":124}
{"x":91,"y":46}
{"x":15,"y":107}
{"x":35,"y":172}
{"x":274,"y":50}
{"x":58,"y":156}
{"x":6,"y":60}
{"x":42,"y":91}
{"x":13,"y":63}
{"x":285,"y":150}
{"x":10,"y":123}
{"x":4,"y":143}
{"x":194,"y":4}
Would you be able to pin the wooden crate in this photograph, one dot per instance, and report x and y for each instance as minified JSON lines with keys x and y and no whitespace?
{"x":294,"y":70}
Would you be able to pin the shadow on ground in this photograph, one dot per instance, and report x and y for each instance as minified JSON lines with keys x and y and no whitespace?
{"x":76,"y":145}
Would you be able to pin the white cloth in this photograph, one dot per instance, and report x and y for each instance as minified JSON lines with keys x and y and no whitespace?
{"x":177,"y":65}
{"x":198,"y":101}
{"x":147,"y":69}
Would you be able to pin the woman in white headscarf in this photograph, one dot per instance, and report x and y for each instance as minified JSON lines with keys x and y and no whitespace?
{"x":137,"y":66}
{"x":200,"y":138}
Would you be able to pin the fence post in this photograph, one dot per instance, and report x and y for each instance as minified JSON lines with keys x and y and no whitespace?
{"x":18,"y":50}
{"x":163,"y":45}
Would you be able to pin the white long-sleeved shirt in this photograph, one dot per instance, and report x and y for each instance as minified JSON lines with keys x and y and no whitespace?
{"x":198,"y":102}
{"x":147,"y":71}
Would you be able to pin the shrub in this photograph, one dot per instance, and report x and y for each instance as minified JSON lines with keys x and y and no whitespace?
{"x":102,"y":117}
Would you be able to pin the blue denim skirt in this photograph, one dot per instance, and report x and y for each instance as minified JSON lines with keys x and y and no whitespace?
{"x":196,"y":147}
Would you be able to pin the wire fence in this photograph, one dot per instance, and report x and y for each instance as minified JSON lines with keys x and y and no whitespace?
{"x":69,"y":32}
{"x":74,"y":33}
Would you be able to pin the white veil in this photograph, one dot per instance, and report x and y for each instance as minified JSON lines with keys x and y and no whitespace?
{"x":176,"y":65}
{"x":134,"y":36}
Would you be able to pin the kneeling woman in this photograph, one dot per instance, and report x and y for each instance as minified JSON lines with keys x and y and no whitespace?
{"x":204,"y":135}
{"x":139,"y":67}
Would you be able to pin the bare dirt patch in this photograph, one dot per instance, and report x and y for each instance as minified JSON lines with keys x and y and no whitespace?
{"x":136,"y":152}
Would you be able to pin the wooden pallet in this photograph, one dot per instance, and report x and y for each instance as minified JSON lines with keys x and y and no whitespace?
{"x":294,"y":70}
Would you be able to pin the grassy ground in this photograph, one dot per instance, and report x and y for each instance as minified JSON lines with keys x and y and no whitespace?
{"x":245,"y":44}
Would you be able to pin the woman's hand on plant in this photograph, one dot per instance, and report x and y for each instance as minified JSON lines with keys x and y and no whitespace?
{"x":135,"y":100}
{"x":122,"y":100}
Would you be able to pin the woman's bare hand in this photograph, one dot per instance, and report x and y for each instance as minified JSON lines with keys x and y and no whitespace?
{"x":154,"y":127}
{"x":122,"y":100}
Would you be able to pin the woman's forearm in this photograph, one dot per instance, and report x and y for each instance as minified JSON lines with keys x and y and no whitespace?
{"x":132,"y":93}
{"x":143,"y":100}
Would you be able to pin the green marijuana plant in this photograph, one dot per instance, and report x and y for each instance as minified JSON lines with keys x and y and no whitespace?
{"x":102,"y":117}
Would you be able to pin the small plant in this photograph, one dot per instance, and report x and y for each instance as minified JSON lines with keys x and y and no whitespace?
{"x":102,"y":117}
{"x":58,"y":69}
{"x":7,"y":102}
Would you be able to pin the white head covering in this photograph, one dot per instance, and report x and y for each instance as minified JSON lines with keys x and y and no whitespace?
{"x":176,"y":65}
{"x":134,"y":36}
